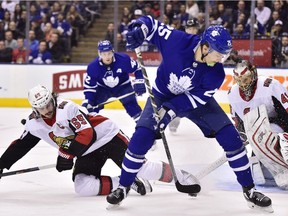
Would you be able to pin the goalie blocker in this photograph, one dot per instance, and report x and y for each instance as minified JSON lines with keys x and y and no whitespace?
{"x":265,"y":145}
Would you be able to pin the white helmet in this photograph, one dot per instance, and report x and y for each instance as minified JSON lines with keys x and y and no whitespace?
{"x":39,"y":96}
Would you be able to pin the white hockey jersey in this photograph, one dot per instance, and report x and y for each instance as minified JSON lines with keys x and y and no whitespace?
{"x":265,"y":90}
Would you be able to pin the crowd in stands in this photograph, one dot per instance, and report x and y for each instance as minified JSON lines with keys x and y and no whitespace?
{"x":55,"y":27}
{"x":61,"y":23}
{"x":271,"y":20}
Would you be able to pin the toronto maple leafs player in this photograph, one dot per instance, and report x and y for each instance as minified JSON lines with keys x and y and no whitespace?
{"x":108,"y":76}
{"x":87,"y":137}
{"x":248,"y":93}
{"x":190,"y":73}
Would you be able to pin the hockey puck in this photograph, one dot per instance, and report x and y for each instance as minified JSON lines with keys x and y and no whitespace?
{"x":192,"y":194}
{"x":23,"y":121}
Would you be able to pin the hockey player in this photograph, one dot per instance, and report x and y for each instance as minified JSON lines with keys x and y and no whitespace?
{"x":248,"y":93}
{"x":108,"y":76}
{"x":86,"y":138}
{"x":190,"y":73}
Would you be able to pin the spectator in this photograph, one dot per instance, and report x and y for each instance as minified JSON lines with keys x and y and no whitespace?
{"x":48,"y":31}
{"x":137,"y":13}
{"x":6,"y":20}
{"x":156,"y":10}
{"x":148,"y":10}
{"x":2,"y":31}
{"x":262,"y":12}
{"x":126,"y":13}
{"x":56,"y":9}
{"x":78,"y":24}
{"x":37,"y":29}
{"x":55,"y":47}
{"x":282,"y":55}
{"x":192,"y":9}
{"x":222,"y":16}
{"x":201,"y":21}
{"x":275,"y":16}
{"x":168,"y":12}
{"x":239,"y":32}
{"x":2,"y":11}
{"x":65,"y":32}
{"x":276,"y":30}
{"x":41,"y":56}
{"x":121,"y":43}
{"x":15,"y":32}
{"x":110,"y":33}
{"x":9,"y":6}
{"x":123,"y":27}
{"x":34,"y":13}
{"x":241,"y":9}
{"x":21,"y":22}
{"x":183,"y":16}
{"x":9,"y":41}
{"x":19,"y":54}
{"x":34,"y":43}
{"x":17,"y":13}
{"x":5,"y":53}
{"x":278,"y":6}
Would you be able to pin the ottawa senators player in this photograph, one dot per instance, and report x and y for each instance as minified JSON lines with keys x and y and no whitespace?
{"x":89,"y":139}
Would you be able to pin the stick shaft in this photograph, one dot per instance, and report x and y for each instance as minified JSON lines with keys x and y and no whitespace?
{"x":32,"y":169}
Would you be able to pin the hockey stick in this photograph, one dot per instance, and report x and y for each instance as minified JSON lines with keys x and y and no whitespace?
{"x":211,"y":167}
{"x":32,"y":169}
{"x":195,"y":188}
{"x":114,"y":99}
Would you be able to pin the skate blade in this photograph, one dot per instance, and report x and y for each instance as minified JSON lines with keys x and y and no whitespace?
{"x":268,"y":209}
{"x":113,"y":206}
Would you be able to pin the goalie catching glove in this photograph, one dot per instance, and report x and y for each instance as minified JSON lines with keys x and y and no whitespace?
{"x":137,"y":34}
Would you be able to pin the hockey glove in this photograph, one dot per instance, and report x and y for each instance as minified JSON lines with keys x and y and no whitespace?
{"x":166,"y":115}
{"x":88,"y":105}
{"x":137,"y":34}
{"x":64,"y":161}
{"x":139,"y":86}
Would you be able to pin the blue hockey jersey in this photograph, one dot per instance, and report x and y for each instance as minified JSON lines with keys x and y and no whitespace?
{"x":181,"y":81}
{"x":110,"y":76}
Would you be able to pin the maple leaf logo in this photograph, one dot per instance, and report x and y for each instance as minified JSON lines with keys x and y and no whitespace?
{"x":178,"y":86}
{"x":110,"y":81}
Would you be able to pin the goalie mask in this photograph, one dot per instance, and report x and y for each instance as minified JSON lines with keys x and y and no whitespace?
{"x":245,"y":75}
{"x":105,"y":52}
{"x":218,"y":39}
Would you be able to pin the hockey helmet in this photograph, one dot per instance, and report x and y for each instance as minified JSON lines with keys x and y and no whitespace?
{"x":39,"y":96}
{"x":245,"y":75}
{"x":217,"y":38}
{"x":104,"y":46}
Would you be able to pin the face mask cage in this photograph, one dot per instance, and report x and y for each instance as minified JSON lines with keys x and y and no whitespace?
{"x":245,"y":78}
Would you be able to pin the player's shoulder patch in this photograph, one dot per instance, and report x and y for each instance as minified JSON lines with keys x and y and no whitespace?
{"x":267,"y":82}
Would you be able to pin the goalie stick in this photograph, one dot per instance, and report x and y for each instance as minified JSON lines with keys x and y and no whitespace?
{"x":32,"y":169}
{"x":195,"y":188}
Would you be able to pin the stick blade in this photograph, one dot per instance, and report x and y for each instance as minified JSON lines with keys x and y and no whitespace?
{"x":190,"y":189}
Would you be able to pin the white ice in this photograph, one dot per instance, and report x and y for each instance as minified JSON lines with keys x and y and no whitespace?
{"x":48,"y":193}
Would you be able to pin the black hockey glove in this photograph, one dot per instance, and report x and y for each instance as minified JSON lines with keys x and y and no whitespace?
{"x":139,"y":86}
{"x":64,"y":161}
{"x":137,"y":34}
{"x":166,"y":115}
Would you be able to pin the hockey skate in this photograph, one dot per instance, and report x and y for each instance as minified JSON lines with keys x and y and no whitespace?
{"x":115,"y":197}
{"x":283,"y":141}
{"x":141,"y":186}
{"x":257,"y":200}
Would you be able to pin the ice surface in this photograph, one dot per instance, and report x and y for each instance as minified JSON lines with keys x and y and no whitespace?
{"x":48,"y":193}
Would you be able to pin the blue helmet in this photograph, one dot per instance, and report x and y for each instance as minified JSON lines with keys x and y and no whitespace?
{"x":218,"y":39}
{"x":104,"y":46}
